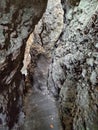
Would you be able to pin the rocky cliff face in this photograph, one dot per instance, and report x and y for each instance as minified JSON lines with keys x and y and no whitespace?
{"x":45,"y":35}
{"x":67,"y":37}
{"x":17,"y":21}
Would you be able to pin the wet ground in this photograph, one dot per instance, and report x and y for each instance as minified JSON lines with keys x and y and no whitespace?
{"x":41,"y":112}
{"x":40,"y":108}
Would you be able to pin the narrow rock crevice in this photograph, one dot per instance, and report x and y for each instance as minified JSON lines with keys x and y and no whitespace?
{"x":63,"y":64}
{"x":70,"y":43}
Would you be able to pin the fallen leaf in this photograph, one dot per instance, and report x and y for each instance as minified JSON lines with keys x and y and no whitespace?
{"x":51,"y":126}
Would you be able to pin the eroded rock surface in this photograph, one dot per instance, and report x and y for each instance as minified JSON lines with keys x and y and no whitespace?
{"x":46,"y":34}
{"x":73,"y":60}
{"x":17,"y":21}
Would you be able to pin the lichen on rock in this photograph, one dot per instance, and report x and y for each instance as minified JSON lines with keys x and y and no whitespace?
{"x":72,"y":70}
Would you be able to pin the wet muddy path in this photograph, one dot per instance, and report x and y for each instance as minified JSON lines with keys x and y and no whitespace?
{"x":41,"y":112}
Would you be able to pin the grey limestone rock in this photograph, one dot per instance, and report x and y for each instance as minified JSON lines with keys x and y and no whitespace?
{"x":73,"y":55}
{"x":17,"y":21}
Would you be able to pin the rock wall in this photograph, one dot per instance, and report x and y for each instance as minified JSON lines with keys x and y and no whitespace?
{"x":17,"y":21}
{"x":45,"y":35}
{"x":68,"y":34}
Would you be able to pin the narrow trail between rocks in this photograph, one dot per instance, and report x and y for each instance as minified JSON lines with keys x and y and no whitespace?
{"x":41,"y":112}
